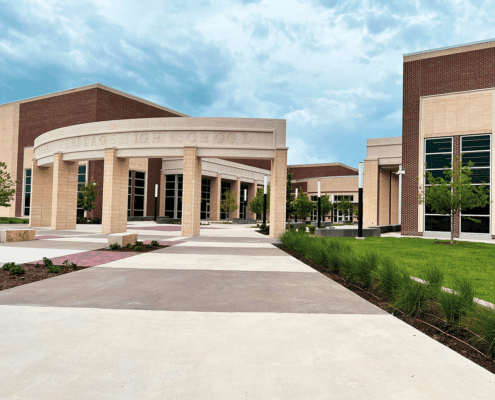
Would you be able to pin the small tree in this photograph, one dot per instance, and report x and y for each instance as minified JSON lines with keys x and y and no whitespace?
{"x":290,"y":196}
{"x":455,"y":194}
{"x":325,"y":204}
{"x":256,"y":204}
{"x":87,"y":198}
{"x":345,"y":206}
{"x":303,"y":205}
{"x":7,"y":186}
{"x":229,"y":204}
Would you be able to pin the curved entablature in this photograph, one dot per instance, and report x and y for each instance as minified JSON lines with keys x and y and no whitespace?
{"x":164,"y":137}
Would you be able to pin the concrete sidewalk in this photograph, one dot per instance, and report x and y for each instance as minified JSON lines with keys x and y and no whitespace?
{"x":220,"y":316}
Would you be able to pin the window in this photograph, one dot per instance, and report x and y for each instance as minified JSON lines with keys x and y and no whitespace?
{"x":476,"y":148}
{"x":438,"y":158}
{"x":173,"y":196}
{"x":139,"y":189}
{"x":205,"y":199}
{"x":244,"y":204}
{"x":129,"y":194}
{"x":338,"y":216}
{"x":27,"y":192}
{"x":81,"y":180}
{"x":225,"y":187}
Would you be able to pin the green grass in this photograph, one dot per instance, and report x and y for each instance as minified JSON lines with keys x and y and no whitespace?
{"x":464,"y":260}
{"x":8,"y":220}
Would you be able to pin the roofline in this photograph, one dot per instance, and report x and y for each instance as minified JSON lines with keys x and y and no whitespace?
{"x":460,"y":47}
{"x":321,"y":165}
{"x":100,"y":86}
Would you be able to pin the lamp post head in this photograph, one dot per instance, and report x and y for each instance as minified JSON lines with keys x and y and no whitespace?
{"x":319,"y":189}
{"x":266,"y":183}
{"x":361,"y":174}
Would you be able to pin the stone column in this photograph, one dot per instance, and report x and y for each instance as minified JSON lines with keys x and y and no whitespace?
{"x":191,"y":193}
{"x":278,"y":193}
{"x":252,"y":188}
{"x":215,"y":197}
{"x":237,"y":190}
{"x":161,"y":195}
{"x":64,"y":193}
{"x":115,"y":189}
{"x":41,"y":195}
{"x":370,"y":193}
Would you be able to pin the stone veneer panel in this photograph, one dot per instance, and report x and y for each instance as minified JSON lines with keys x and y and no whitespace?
{"x":41,"y":195}
{"x":278,"y":193}
{"x":371,"y":192}
{"x":64,"y":194}
{"x":191,"y":194}
{"x":215,"y":197}
{"x":252,"y":189}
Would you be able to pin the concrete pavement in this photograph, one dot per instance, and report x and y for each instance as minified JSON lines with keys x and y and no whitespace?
{"x":222,"y":316}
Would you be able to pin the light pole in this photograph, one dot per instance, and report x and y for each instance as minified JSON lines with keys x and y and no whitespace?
{"x":245,"y":203}
{"x":264,"y":201}
{"x":400,"y":172}
{"x":319,"y":204}
{"x":360,"y":195}
{"x":156,"y":198}
{"x":296,"y":198}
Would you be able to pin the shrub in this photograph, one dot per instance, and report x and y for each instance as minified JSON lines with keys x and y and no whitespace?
{"x":457,"y":305}
{"x":155,"y":243}
{"x":301,"y":228}
{"x":392,"y":278}
{"x":115,"y":246}
{"x":25,"y":221}
{"x":413,"y":298}
{"x":8,"y":266}
{"x":17,"y":270}
{"x":129,"y":245}
{"x":82,"y":220}
{"x":364,"y":269}
{"x":53,"y":269}
{"x":149,"y":246}
{"x":292,"y":227}
{"x":312,"y":229}
{"x":138,"y":243}
{"x":138,"y":248}
{"x":47,"y":262}
{"x":73,"y":266}
{"x":482,"y":320}
{"x":434,"y":279}
{"x":96,"y":220}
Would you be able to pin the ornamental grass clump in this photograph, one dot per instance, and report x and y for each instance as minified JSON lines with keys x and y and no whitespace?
{"x":482,"y":320}
{"x":460,"y":302}
{"x":364,"y":269}
{"x":312,"y":230}
{"x":391,"y":277}
{"x":413,"y":298}
{"x":433,"y":278}
{"x":301,"y":228}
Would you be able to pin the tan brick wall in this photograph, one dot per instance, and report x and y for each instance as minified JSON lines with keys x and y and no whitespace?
{"x":161,"y":209}
{"x":64,"y":194}
{"x":337,"y":185}
{"x":41,"y":195}
{"x":237,"y":190}
{"x":115,"y":188}
{"x":278,"y":193}
{"x":370,"y":193}
{"x":394,"y":220}
{"x":191,"y":194}
{"x":215,"y":197}
{"x":384,"y":197}
{"x":9,"y":136}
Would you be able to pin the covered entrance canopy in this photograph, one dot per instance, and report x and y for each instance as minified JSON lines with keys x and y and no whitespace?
{"x":57,"y":152}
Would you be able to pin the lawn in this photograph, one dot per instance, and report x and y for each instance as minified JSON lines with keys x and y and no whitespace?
{"x":475,"y":261}
{"x":9,"y":220}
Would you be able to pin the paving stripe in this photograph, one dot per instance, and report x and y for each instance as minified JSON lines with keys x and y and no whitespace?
{"x":223,"y":251}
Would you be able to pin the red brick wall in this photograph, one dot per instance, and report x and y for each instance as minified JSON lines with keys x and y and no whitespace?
{"x":301,"y":186}
{"x":154,"y":168}
{"x":91,"y":105}
{"x":320,"y":171}
{"x":437,"y":75}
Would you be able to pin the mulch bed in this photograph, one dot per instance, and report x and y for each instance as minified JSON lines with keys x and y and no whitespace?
{"x":33,"y":274}
{"x":133,"y":249}
{"x":430,"y":323}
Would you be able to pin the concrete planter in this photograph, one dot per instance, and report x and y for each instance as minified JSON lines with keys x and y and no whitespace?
{"x":166,"y":220}
{"x":244,"y":221}
{"x":388,"y":228}
{"x":352,"y":232}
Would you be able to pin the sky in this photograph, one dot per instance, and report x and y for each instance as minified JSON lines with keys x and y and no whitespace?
{"x":332,"y":69}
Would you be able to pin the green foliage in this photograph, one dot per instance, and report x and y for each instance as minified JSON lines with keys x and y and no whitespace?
{"x":88,"y":195}
{"x":115,"y":246}
{"x":455,"y":194}
{"x":256,"y":204}
{"x":482,"y":321}
{"x":139,"y":243}
{"x":459,"y":303}
{"x":345,"y":206}
{"x":11,"y":220}
{"x":82,"y":220}
{"x":96,"y":220}
{"x":364,"y":269}
{"x":392,"y":278}
{"x":129,"y":245}
{"x":155,"y":243}
{"x":148,"y":246}
{"x":71,"y":266}
{"x":301,"y":228}
{"x":433,"y":276}
{"x":413,"y":298}
{"x":312,"y":230}
{"x":8,"y":266}
{"x":17,"y":270}
{"x":47,"y":262}
{"x":138,"y":248}
{"x":325,"y":204}
{"x":229,"y":204}
{"x":290,"y":196}
{"x":7,"y":186}
{"x":303,"y":205}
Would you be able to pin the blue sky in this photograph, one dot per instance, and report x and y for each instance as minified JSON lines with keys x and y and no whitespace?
{"x":332,"y":68}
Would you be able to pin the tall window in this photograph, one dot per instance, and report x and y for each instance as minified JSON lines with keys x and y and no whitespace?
{"x":438,"y":158}
{"x":314,"y":211}
{"x":129,"y":194}
{"x":173,"y":196}
{"x":338,"y":216}
{"x":27,"y":192}
{"x":205,"y":198}
{"x":225,"y":187}
{"x":81,"y":180}
{"x":244,"y":204}
{"x":476,"y":148}
{"x":139,"y":182}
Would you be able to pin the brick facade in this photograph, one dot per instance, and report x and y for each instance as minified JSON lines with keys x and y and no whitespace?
{"x":91,"y":105}
{"x":427,"y":75}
